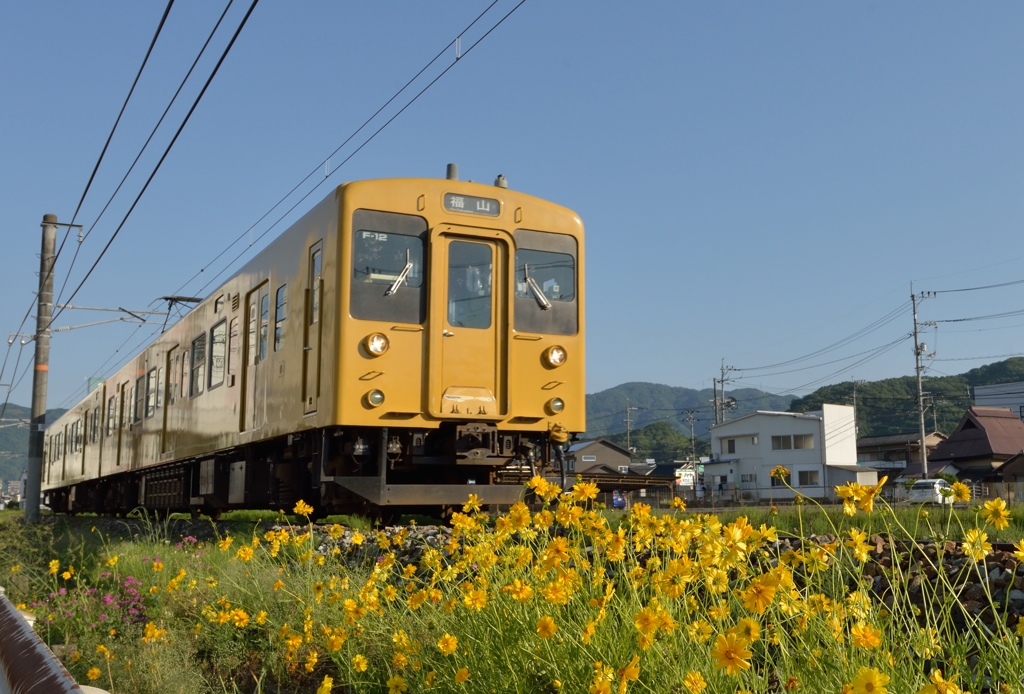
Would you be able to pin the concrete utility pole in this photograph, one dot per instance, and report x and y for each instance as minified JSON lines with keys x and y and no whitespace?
{"x":693,"y":444}
{"x":629,"y":426}
{"x":722,"y":402}
{"x":714,"y":387}
{"x":44,"y":311}
{"x":919,"y":351}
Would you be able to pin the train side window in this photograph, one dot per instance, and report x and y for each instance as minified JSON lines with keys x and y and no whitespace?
{"x":232,"y":348}
{"x":151,"y":391}
{"x":388,"y":267}
{"x":160,"y":388}
{"x":94,"y":433}
{"x":545,"y":263}
{"x":175,"y":372}
{"x":111,"y":415}
{"x":252,"y":334}
{"x":184,"y":375}
{"x":469,"y":284}
{"x":264,"y":324}
{"x":315,"y":272}
{"x":198,"y":366}
{"x":280,"y":314}
{"x":140,"y":399}
{"x":218,"y":304}
{"x":218,"y":353}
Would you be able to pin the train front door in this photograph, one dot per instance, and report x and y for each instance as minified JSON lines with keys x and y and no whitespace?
{"x":254,"y":386}
{"x":469,"y":319}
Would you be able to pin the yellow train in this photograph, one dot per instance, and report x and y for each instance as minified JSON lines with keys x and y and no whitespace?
{"x":406,"y":343}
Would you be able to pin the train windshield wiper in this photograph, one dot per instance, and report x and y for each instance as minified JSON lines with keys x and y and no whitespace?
{"x":401,"y":278}
{"x":537,"y":291}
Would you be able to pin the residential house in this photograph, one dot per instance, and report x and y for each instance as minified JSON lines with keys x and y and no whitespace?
{"x":891,"y":454}
{"x":819,"y":449}
{"x":589,"y":456}
{"x":985,"y":438}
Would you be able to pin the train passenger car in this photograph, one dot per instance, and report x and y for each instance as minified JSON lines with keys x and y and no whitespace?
{"x":406,"y":343}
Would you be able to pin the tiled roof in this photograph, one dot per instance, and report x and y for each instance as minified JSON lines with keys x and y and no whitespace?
{"x":894,"y":439}
{"x":983,"y":432}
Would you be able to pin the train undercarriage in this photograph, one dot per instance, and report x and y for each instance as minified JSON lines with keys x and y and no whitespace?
{"x":376,"y":472}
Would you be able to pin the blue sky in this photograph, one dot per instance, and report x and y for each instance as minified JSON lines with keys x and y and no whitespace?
{"x":758,"y":181}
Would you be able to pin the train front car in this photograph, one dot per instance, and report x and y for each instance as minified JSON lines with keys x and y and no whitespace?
{"x":460,"y":360}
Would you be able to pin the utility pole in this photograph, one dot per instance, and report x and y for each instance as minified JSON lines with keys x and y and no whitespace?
{"x":725,"y":370}
{"x":37,"y":424}
{"x":628,"y":427}
{"x":714,"y":386}
{"x":693,"y":444}
{"x":919,"y":351}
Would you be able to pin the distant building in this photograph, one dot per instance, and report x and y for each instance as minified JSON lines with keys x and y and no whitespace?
{"x":590,"y":456}
{"x":985,"y":438}
{"x":1009,"y":395}
{"x":895,"y":451}
{"x":818,"y":448}
{"x":14,"y":488}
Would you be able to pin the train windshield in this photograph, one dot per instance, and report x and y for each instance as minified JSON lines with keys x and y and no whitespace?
{"x":388,"y":252}
{"x":545,"y":283}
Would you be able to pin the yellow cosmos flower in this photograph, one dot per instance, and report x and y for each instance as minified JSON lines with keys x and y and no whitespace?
{"x":961,"y":492}
{"x":359,"y":663}
{"x":694,"y":682}
{"x":865,"y":636}
{"x":476,"y":599}
{"x":302,"y":508}
{"x":93,"y":674}
{"x":325,"y":686}
{"x":397,"y":685}
{"x":995,"y":514}
{"x":158,"y":566}
{"x":225,"y":543}
{"x":447,"y":644}
{"x":730,"y":653}
{"x":54,"y":567}
{"x":472,"y":505}
{"x":869,"y":681}
{"x":546,"y":627}
{"x":112,"y":561}
{"x":462,"y":675}
{"x":975,"y":544}
{"x":938,"y":685}
{"x":631,"y":672}
{"x":244,"y":553}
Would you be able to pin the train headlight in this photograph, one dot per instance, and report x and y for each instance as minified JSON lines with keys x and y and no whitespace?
{"x":375,"y":398}
{"x":376,"y":344}
{"x":555,"y":355}
{"x":555,"y":405}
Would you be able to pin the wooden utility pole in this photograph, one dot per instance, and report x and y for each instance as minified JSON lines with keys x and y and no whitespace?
{"x":44,"y":311}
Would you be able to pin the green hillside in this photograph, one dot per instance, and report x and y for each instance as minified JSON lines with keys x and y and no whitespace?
{"x":14,"y":440}
{"x":606,"y":410}
{"x":889,"y":406}
{"x":661,"y":442}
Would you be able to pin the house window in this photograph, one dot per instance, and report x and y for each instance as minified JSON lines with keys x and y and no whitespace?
{"x":731,"y":445}
{"x":753,"y":440}
{"x":808,"y":478}
{"x":589,"y":459}
{"x":624,"y":469}
{"x":803,"y":441}
{"x":782,"y":443}
{"x":749,"y":479}
{"x":1022,"y":413}
{"x":776,"y":482}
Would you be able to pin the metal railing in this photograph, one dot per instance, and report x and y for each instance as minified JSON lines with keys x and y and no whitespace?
{"x":26,"y":665}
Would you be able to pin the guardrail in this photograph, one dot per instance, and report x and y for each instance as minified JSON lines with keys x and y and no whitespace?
{"x":26,"y":665}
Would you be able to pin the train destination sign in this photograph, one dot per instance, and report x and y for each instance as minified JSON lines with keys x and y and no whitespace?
{"x":470,"y":204}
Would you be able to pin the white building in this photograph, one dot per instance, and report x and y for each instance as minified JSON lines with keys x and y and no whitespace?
{"x":818,"y":448}
{"x":1001,"y":395}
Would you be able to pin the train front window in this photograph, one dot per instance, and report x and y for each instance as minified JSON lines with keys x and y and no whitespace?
{"x":545,"y":283}
{"x":388,"y":270}
{"x":469,"y":285}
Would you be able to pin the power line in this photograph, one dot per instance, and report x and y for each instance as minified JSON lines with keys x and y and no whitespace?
{"x":167,"y":151}
{"x":991,"y":316}
{"x":356,"y":151}
{"x":974,"y":289}
{"x":144,"y":145}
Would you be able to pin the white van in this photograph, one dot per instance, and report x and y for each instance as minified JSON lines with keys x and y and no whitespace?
{"x":930,"y":492}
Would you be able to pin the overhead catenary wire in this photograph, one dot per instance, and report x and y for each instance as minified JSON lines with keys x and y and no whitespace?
{"x":144,"y":145}
{"x":163,"y":157}
{"x":363,"y":144}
